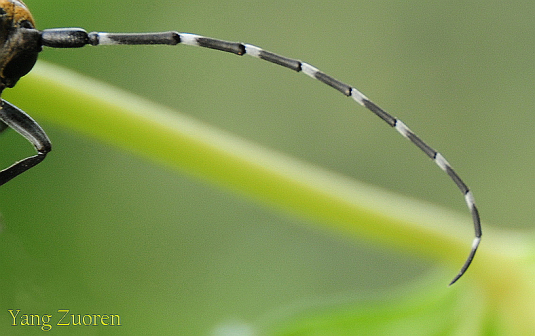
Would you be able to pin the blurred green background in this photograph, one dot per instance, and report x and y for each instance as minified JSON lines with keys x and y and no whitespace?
{"x":97,"y":230}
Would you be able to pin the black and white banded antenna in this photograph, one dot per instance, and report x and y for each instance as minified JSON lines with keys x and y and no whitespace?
{"x":72,"y":37}
{"x":20,"y":44}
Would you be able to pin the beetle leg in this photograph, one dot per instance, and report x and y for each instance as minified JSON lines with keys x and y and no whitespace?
{"x":12,"y":116}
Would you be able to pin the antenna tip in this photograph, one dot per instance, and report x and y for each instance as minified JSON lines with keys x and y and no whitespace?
{"x":475,"y":245}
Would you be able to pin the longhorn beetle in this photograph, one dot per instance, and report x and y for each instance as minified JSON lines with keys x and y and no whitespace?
{"x":21,"y":42}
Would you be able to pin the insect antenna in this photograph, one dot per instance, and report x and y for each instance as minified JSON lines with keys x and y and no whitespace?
{"x":77,"y":37}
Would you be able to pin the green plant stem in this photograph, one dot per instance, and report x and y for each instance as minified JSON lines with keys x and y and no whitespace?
{"x":180,"y":142}
{"x":339,"y":204}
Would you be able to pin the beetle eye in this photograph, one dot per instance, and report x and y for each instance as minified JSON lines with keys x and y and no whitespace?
{"x":26,"y":24}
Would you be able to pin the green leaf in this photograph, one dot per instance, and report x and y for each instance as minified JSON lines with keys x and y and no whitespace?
{"x":420,"y":308}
